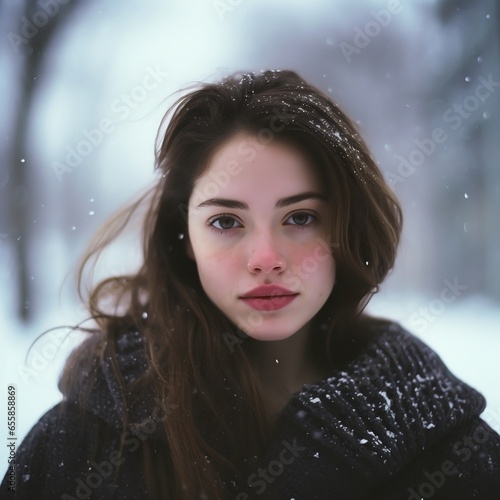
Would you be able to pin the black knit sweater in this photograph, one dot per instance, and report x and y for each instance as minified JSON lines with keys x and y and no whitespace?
{"x":394,"y":424}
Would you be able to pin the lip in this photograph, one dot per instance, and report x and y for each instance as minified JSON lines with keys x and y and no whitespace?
{"x":268,"y":297}
{"x":268,"y":291}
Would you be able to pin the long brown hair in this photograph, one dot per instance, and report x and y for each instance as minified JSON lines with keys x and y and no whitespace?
{"x":190,"y":360}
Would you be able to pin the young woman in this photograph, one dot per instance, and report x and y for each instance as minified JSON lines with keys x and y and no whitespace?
{"x":237,"y":362}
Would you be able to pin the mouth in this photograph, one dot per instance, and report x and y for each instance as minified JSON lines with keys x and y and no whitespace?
{"x":268,"y":292}
{"x":269,"y":302}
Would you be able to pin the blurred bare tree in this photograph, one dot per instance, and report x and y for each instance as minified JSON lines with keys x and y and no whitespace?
{"x":35,"y":27}
{"x":397,"y":82}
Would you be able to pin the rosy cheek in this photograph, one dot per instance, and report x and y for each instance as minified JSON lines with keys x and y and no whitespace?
{"x":301,"y":256}
{"x":221,"y":262}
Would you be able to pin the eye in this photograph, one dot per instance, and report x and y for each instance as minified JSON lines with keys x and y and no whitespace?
{"x":300,"y":219}
{"x":223,"y":223}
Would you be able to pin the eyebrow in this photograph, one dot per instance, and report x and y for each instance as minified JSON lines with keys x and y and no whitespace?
{"x":281,"y":203}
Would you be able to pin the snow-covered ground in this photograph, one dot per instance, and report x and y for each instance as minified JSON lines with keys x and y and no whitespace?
{"x":466,"y":334}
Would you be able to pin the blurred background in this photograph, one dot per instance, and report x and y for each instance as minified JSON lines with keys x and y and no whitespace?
{"x":84,"y":86}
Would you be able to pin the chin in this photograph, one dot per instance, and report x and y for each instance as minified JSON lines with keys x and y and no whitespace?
{"x":273,"y":326}
{"x":271,"y":334}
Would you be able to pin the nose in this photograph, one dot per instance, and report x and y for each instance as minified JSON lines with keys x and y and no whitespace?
{"x":265,"y":257}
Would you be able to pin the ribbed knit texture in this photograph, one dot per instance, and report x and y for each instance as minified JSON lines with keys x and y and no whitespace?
{"x":363,"y":425}
{"x":372,"y":431}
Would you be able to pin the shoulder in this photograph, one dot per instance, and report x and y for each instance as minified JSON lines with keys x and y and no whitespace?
{"x":395,"y":370}
{"x":392,"y":411}
{"x":69,"y":453}
{"x":387,"y":349}
{"x":465,"y":463}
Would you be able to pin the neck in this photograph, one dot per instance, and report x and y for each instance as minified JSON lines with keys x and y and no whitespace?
{"x":285,"y":366}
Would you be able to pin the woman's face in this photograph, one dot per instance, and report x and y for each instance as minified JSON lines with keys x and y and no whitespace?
{"x":257,"y":223}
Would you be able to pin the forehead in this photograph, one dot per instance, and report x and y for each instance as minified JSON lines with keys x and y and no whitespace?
{"x":244,"y":162}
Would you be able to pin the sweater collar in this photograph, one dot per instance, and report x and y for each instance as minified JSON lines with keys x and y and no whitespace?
{"x":394,"y":399}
